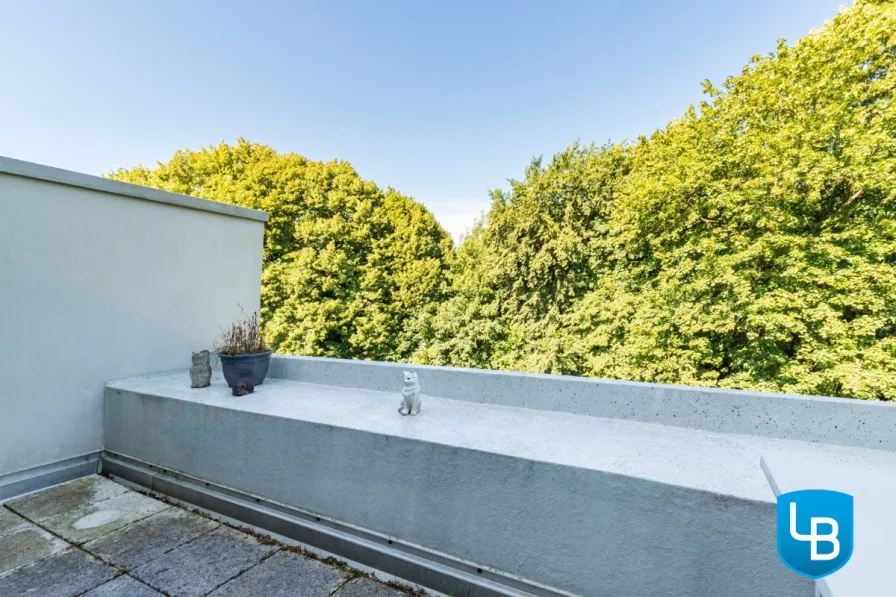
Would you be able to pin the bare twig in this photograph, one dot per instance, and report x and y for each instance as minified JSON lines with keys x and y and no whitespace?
{"x":854,"y":197}
{"x":243,"y":337}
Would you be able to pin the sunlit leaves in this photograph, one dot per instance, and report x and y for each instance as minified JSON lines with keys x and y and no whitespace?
{"x":347,"y":265}
{"x":749,"y":244}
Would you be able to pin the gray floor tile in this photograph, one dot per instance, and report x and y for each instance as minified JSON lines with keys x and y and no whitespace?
{"x":198,"y":567}
{"x":364,"y":587}
{"x":65,"y":574}
{"x":10,"y":521}
{"x":27,"y":545}
{"x":123,"y":586}
{"x":147,"y":539}
{"x":103,"y":517}
{"x":176,"y":552}
{"x":66,"y":497}
{"x":284,"y":574}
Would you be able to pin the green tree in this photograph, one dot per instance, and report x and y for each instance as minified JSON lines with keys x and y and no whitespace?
{"x":749,"y":244}
{"x":346,"y":264}
{"x":522,"y":268}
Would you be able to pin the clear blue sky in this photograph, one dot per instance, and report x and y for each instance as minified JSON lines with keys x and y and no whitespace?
{"x":442,"y":100}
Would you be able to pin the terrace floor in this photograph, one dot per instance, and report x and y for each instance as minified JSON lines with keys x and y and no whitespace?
{"x":96,"y":538}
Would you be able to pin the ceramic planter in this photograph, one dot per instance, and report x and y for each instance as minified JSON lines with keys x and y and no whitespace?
{"x":245,"y":367}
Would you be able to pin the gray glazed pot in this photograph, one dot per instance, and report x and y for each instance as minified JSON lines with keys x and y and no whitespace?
{"x":245,"y":367}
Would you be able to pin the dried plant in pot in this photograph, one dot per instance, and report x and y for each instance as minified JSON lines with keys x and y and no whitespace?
{"x":245,"y":358}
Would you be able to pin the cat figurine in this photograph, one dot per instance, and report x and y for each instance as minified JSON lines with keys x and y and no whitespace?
{"x":410,"y":395}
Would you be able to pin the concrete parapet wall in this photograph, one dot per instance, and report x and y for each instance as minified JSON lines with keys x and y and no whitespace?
{"x":839,"y":421}
{"x":577,"y":529}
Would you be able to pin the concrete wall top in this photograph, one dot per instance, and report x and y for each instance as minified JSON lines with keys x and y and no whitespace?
{"x":818,"y":419}
{"x":667,"y":454}
{"x":105,"y":185}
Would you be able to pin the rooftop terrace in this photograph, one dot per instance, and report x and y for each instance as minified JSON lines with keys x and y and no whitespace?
{"x":505,"y":485}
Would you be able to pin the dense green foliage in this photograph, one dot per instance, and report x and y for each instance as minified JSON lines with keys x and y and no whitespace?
{"x":749,"y":244}
{"x":346,"y":264}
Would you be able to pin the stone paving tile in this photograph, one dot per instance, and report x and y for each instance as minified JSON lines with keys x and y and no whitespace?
{"x":198,"y":567}
{"x":27,"y":545}
{"x":103,"y":517}
{"x":364,"y":587}
{"x":10,"y":521}
{"x":177,"y":552}
{"x":123,"y":586}
{"x":147,"y":539}
{"x":65,"y":574}
{"x":66,"y":497}
{"x":284,"y":574}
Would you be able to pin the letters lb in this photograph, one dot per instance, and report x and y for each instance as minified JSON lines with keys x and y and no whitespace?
{"x":815,"y":531}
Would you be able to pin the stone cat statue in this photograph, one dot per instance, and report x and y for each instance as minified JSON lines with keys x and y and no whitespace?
{"x":410,"y":395}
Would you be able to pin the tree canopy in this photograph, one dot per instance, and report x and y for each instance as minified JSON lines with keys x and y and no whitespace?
{"x":346,"y":264}
{"x":750,"y":243}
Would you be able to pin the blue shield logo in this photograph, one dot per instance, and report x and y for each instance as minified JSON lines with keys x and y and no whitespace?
{"x":815,"y":530}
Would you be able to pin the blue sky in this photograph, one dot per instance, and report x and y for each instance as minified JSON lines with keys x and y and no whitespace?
{"x":441,"y":100}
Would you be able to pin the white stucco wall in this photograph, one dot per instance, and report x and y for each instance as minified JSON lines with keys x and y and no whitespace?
{"x":101,"y":280}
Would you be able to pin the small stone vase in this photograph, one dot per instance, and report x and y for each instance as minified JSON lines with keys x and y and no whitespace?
{"x":201,"y":371}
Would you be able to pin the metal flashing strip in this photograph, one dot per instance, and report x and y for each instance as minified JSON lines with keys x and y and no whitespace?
{"x":414,"y":564}
{"x":41,"y":477}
